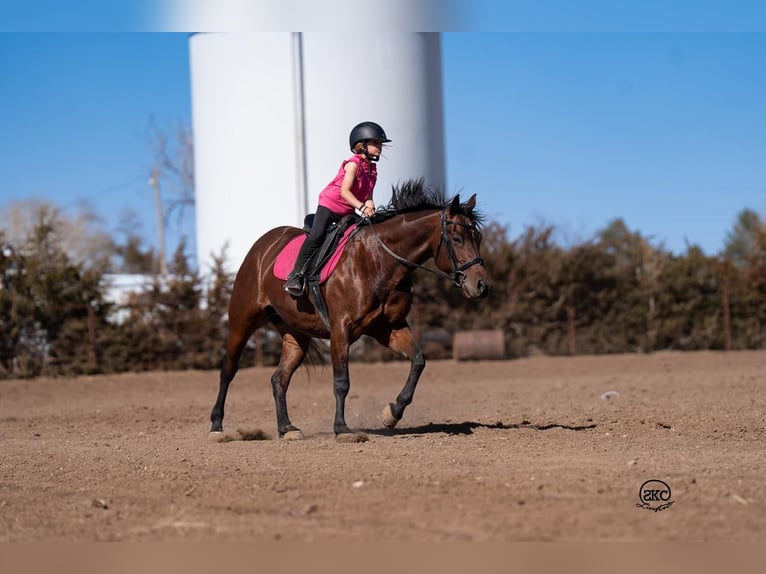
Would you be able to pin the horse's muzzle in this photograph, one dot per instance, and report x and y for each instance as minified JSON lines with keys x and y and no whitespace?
{"x":477,"y":289}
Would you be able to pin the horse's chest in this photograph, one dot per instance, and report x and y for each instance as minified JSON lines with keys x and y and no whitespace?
{"x":397,"y":306}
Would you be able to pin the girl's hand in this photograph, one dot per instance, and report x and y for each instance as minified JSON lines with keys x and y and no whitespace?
{"x":367,"y":210}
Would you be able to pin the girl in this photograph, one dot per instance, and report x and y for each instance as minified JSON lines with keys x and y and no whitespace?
{"x":351,"y":189}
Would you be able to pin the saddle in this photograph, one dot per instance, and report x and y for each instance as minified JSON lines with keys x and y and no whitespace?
{"x":313,"y":269}
{"x":318,"y":268}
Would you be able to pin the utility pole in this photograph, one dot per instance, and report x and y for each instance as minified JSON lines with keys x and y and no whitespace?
{"x":154,"y":181}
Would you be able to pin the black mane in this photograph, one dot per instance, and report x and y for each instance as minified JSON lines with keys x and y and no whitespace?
{"x":415,"y":195}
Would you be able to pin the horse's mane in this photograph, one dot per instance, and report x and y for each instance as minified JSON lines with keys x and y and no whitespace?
{"x":415,"y":195}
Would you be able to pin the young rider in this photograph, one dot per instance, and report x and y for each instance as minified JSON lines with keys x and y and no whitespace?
{"x":351,"y":189}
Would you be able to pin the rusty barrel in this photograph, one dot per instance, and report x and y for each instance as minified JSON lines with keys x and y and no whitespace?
{"x":478,"y":345}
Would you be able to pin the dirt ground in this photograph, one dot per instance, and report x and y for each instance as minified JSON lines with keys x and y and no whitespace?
{"x":517,"y":450}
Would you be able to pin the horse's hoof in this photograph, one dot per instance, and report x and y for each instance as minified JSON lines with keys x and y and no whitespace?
{"x":389,"y":420}
{"x":215,"y":436}
{"x":293,"y":435}
{"x":351,"y":437}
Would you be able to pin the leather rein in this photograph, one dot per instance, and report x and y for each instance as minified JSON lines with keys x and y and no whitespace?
{"x":458,"y":271}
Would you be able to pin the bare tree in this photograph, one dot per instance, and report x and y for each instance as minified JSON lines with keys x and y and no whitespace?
{"x":173,"y":170}
{"x":174,"y":161}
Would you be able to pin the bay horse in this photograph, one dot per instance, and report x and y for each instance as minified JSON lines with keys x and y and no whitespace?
{"x":368,"y":293}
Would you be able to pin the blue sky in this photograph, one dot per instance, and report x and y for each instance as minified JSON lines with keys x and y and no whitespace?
{"x":76,"y":114}
{"x":665,"y":130}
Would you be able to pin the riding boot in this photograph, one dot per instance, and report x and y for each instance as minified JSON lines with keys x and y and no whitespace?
{"x":295,"y":284}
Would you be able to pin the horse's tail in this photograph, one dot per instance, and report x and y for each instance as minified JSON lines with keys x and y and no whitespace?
{"x":315,"y":355}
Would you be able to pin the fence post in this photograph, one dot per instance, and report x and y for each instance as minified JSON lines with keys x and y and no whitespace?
{"x":571,"y":335}
{"x":726,"y":314}
{"x":92,"y":351}
{"x":415,"y":322}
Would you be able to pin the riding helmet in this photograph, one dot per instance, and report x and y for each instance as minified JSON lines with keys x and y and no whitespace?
{"x":366,"y":131}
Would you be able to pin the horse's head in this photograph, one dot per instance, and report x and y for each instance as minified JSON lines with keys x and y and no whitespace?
{"x":458,"y":253}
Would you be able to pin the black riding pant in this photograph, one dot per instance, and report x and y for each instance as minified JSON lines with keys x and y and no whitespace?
{"x":322,"y":220}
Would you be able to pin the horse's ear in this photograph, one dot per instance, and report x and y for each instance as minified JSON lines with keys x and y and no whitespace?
{"x":454,"y":207}
{"x":471,"y":203}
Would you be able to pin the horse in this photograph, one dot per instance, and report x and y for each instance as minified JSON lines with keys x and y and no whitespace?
{"x":368,"y":293}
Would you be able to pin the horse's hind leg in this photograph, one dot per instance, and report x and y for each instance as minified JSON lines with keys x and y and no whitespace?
{"x":402,"y":342}
{"x":294,"y":348}
{"x":239,"y":334}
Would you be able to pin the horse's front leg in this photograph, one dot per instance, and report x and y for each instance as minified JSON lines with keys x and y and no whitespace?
{"x":402,"y":342}
{"x":339,"y":346}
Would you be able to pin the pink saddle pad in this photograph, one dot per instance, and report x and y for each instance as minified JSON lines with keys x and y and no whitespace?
{"x":286,"y":258}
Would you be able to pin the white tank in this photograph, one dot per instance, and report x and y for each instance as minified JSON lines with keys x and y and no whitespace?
{"x":271,"y":115}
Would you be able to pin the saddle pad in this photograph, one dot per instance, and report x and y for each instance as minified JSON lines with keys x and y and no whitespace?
{"x":286,"y":259}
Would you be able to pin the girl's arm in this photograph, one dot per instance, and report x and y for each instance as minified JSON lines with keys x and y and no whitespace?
{"x":350,"y":198}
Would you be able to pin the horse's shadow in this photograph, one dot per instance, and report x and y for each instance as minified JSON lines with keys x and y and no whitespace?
{"x":467,"y":427}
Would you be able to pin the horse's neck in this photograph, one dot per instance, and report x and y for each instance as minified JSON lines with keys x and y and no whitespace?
{"x":413,"y":236}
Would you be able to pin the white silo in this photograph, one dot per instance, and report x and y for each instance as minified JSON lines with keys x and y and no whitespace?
{"x":271,"y":117}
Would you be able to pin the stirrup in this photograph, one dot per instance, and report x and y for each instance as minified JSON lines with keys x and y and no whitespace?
{"x":294,"y":285}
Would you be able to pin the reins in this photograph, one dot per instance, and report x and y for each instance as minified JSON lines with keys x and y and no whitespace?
{"x":458,"y":276}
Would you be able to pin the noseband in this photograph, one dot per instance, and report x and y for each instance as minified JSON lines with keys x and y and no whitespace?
{"x":458,"y":271}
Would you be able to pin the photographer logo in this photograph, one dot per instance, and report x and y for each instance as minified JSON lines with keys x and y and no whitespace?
{"x":654,"y":495}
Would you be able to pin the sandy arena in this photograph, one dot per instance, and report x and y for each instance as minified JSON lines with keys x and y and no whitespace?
{"x":509,"y":451}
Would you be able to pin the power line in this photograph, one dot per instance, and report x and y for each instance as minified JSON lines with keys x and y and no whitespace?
{"x":105,"y":191}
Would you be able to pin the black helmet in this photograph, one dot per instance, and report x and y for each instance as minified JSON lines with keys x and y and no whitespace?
{"x":366,"y":131}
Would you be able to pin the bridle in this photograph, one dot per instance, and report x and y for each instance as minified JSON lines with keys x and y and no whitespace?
{"x":458,"y":276}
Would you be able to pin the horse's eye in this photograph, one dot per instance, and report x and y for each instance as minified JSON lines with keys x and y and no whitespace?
{"x":457,"y":240}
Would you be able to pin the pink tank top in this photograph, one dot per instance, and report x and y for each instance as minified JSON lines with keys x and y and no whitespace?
{"x":364,"y":184}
